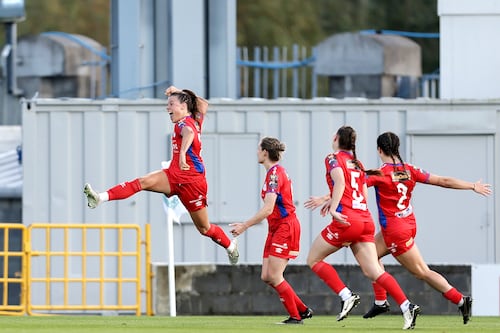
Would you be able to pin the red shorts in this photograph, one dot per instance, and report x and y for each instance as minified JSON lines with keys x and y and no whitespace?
{"x":283,"y":239}
{"x":340,"y":235}
{"x":400,"y":240}
{"x":192,"y":195}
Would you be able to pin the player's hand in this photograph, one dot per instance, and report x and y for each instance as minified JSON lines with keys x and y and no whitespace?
{"x":482,"y":188}
{"x":182,"y":162}
{"x":341,"y":218}
{"x":237,"y":229}
{"x":313,"y":202}
{"x":326,"y":208}
{"x":171,"y":90}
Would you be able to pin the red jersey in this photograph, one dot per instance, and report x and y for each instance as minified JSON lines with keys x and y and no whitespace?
{"x":393,"y":191}
{"x":193,"y":155}
{"x":277,"y":181}
{"x":353,"y":202}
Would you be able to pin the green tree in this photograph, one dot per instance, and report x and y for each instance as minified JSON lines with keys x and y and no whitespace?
{"x":85,"y":17}
{"x":286,"y":22}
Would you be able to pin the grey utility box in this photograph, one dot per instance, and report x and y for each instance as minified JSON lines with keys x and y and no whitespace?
{"x":11,"y":10}
{"x":60,"y":65}
{"x":370,"y":66}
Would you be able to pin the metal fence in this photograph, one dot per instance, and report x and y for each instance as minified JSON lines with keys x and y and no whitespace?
{"x":274,"y":72}
{"x":67,"y":268}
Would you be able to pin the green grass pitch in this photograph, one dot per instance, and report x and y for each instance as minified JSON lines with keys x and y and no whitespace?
{"x":239,"y":324}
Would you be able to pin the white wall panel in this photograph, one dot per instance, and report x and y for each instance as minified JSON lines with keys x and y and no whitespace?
{"x":446,"y":218}
{"x":468,"y":48}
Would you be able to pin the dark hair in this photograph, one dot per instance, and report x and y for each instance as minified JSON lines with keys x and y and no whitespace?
{"x":347,"y":141}
{"x":273,"y":146}
{"x":388,"y":142}
{"x":188,"y":97}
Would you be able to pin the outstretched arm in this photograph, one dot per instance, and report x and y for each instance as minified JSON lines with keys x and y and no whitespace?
{"x":314,"y":202}
{"x":458,"y":184}
{"x":264,"y":212}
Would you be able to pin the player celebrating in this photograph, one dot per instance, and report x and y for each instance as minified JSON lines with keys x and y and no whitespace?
{"x":351,"y":225}
{"x":283,"y":238}
{"x":398,"y":225}
{"x":185,"y":177}
{"x":394,"y":184}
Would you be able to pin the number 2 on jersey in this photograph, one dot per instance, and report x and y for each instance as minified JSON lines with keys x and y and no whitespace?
{"x":402,"y":189}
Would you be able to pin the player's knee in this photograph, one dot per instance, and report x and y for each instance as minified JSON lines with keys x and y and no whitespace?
{"x":311,"y":262}
{"x":204,"y":231}
{"x":420,"y":273}
{"x":265,"y":278}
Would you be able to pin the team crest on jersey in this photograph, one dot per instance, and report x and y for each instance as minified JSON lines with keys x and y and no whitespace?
{"x":332,"y":159}
{"x":273,"y":181}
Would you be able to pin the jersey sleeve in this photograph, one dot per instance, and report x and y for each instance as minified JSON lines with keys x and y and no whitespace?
{"x":418,"y":174}
{"x":331,"y":162}
{"x":373,"y":180}
{"x":272,"y":182}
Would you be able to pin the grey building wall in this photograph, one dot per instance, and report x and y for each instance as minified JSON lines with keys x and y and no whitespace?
{"x":227,"y":290}
{"x":69,"y":142}
{"x":188,"y":43}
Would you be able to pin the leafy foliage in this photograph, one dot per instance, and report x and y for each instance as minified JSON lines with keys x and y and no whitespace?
{"x":260,"y":22}
{"x":307,"y":23}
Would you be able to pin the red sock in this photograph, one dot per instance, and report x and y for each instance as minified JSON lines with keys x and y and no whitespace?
{"x":298,"y":302}
{"x":453,"y":295}
{"x":389,"y":283}
{"x":329,"y":275}
{"x":287,"y":297}
{"x":124,"y":190}
{"x":218,"y":235}
{"x":380,"y":293}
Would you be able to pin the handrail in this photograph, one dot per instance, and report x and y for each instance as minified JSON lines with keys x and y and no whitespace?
{"x":75,"y":39}
{"x":400,"y":33}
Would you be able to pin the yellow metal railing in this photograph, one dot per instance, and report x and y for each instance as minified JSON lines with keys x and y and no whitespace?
{"x":60,"y":268}
{"x":13,"y":277}
{"x":149,"y":272}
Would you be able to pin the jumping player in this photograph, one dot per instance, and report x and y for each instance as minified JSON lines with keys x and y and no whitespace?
{"x":185,"y":177}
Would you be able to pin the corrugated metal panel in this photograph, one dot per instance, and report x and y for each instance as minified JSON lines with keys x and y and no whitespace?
{"x":70,"y":142}
{"x":11,"y":174}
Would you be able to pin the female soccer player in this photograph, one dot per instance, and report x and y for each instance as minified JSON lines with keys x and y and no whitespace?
{"x":185,"y":177}
{"x":398,"y":225}
{"x":394,"y":184}
{"x":352,"y":225}
{"x":283,"y":238}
